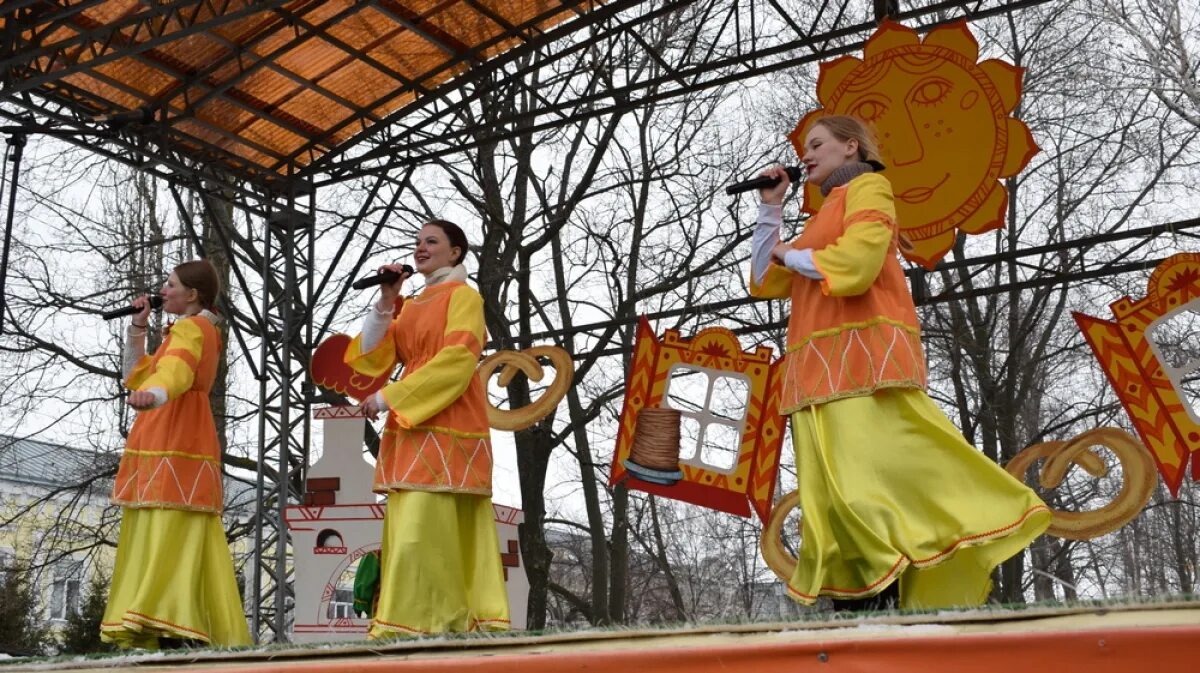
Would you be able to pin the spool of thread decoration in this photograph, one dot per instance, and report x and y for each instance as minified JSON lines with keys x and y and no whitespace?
{"x":654,"y":456}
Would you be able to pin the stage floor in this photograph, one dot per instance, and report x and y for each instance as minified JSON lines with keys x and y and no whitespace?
{"x":1142,"y":638}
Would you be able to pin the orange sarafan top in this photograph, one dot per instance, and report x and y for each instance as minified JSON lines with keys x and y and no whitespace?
{"x":172,"y":459}
{"x":436,"y":437}
{"x":856,"y":331}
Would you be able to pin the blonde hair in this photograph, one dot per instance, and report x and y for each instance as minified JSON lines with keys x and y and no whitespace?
{"x":846,"y":128}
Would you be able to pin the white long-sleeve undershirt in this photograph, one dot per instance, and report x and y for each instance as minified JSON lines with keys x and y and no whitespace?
{"x":135,"y":349}
{"x":764,"y":240}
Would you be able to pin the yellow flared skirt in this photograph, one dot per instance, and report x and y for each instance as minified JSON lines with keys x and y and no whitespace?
{"x":440,"y":566}
{"x":890,"y":490}
{"x":173,"y":579}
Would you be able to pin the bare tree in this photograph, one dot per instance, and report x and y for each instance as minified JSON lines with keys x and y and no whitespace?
{"x":1161,"y":42}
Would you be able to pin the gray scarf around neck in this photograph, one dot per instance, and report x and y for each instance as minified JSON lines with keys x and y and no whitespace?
{"x":843,"y":174}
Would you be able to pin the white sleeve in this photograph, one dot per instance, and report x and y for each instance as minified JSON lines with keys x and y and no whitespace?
{"x":375,"y":325}
{"x":801,"y":261}
{"x":766,"y":237}
{"x":135,"y":348}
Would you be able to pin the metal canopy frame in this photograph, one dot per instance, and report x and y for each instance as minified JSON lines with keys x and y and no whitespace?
{"x":737,"y":39}
{"x":274,"y":260}
{"x":430,"y":128}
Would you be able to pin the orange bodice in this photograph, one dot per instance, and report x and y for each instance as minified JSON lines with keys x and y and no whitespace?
{"x":436,"y":437}
{"x":856,"y":331}
{"x":172,"y":459}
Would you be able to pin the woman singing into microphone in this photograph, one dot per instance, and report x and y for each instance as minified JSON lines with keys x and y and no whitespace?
{"x":440,"y":560}
{"x":889,"y":488}
{"x":174,"y":575}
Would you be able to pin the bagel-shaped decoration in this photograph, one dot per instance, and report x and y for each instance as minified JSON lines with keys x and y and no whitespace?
{"x":778,"y":558}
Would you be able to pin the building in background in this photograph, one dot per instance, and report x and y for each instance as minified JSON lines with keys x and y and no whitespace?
{"x":57,"y":524}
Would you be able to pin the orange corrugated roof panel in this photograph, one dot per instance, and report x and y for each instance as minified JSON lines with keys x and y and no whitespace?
{"x":269,"y":84}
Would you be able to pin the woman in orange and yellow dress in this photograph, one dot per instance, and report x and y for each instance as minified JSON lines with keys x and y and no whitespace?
{"x":174,"y":576}
{"x":440,"y":563}
{"x":894,"y":501}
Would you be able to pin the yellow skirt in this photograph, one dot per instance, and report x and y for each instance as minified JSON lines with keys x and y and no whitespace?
{"x":889,"y":489}
{"x":440,"y":566}
{"x":173,"y":579}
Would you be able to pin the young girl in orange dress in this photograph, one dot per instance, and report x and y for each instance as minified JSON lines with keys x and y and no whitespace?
{"x":891,"y":494}
{"x":440,"y":565}
{"x":174,"y":574}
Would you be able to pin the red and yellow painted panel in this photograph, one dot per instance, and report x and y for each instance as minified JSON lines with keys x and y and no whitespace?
{"x":752,"y":480}
{"x":1127,"y":354}
{"x":944,"y":128}
{"x":330,"y":371}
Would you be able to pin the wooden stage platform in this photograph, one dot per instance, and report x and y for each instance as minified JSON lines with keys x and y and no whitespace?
{"x":1143,"y":638}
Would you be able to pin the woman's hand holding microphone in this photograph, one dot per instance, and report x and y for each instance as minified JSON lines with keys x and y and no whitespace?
{"x":389,"y":292}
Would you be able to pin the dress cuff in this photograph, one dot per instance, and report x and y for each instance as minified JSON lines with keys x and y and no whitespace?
{"x":160,"y":397}
{"x":135,"y":348}
{"x":375,"y":326}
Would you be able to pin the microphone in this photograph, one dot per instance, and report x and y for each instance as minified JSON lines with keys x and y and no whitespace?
{"x":385,"y":278}
{"x":156,"y":302}
{"x":794,"y":173}
{"x":142,"y":115}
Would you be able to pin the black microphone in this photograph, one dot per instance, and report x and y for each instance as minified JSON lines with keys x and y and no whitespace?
{"x":385,"y":278}
{"x":156,"y":302}
{"x":142,"y":115}
{"x":794,"y":174}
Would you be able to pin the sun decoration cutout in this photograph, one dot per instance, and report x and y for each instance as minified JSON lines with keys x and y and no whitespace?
{"x":943,"y":126}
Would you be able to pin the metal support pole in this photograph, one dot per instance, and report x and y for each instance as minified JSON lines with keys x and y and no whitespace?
{"x":256,"y":613}
{"x":886,"y":9}
{"x":17,"y":143}
{"x":288,"y":248}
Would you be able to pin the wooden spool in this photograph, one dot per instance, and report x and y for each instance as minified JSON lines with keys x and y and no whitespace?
{"x":656,"y":439}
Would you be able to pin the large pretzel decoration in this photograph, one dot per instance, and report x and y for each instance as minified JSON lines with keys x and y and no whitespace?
{"x":526,"y":361}
{"x":1137,"y":466}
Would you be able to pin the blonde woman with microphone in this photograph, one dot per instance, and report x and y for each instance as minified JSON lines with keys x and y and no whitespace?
{"x":897,"y":506}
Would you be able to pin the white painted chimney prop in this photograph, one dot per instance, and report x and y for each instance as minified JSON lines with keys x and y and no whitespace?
{"x":341,"y":521}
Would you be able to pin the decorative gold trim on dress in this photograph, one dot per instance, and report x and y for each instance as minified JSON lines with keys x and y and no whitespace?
{"x":845,"y":327}
{"x":171,"y":454}
{"x":852,"y":361}
{"x":166,"y":504}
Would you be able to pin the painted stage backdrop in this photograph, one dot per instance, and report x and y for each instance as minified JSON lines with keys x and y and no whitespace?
{"x":944,"y":127}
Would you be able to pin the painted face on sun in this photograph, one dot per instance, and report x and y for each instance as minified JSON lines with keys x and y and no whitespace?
{"x":944,"y":125}
{"x":942,"y":114}
{"x":433,"y":250}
